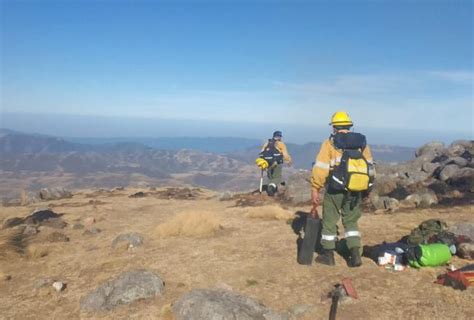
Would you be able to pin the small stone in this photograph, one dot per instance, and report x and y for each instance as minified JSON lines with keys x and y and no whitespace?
{"x":89,"y":221}
{"x":6,"y":277}
{"x":466,"y":251}
{"x":59,"y":286}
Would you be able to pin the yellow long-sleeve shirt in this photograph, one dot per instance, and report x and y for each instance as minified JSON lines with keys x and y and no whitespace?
{"x":327,"y":158}
{"x":281,"y":146}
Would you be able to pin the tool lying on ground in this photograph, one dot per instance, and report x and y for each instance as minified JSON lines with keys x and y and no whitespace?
{"x":312,"y":234}
{"x":341,"y":290}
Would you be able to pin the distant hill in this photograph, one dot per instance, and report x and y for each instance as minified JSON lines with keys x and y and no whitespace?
{"x":205,"y":144}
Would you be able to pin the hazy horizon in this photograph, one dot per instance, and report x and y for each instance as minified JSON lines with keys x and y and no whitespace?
{"x":75,"y":126}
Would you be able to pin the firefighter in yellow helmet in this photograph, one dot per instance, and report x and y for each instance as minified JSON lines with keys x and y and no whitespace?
{"x":344,"y":167}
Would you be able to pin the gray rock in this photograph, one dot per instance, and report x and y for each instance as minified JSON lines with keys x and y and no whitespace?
{"x":225,"y":196}
{"x":385,"y":203}
{"x":464,"y":229}
{"x":384,"y":185}
{"x":435,"y":146}
{"x":130,"y":239}
{"x":413,"y":201}
{"x":428,"y":199}
{"x":466,"y":251}
{"x":448,"y":172}
{"x":220,"y":305}
{"x":459,"y":161}
{"x":429,"y":167}
{"x":47,"y":194}
{"x":298,"y":188}
{"x":458,"y":147}
{"x":126,"y":288}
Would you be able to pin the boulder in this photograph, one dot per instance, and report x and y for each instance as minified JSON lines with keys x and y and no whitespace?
{"x":459,"y":147}
{"x":384,"y":185}
{"x":47,"y":194}
{"x":448,"y":172}
{"x":126,"y":288}
{"x":218,"y":304}
{"x":466,"y":251}
{"x":129,"y":239}
{"x":459,"y":161}
{"x":384,"y":203}
{"x":431,"y":147}
{"x":463,"y":229}
{"x":428,"y":199}
{"x":298,"y":188}
{"x":412,"y":201}
{"x":429,"y":167}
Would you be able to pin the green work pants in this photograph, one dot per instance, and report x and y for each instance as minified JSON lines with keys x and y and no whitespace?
{"x":335,"y":205}
{"x":274,"y":174}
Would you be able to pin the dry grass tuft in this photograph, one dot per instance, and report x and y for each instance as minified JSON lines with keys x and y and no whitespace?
{"x":268,"y":213}
{"x":167,"y":313}
{"x":195,"y":224}
{"x":37,"y":251}
{"x":12,"y":244}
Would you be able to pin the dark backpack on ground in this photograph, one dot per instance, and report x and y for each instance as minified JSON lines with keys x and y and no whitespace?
{"x":271,"y":153}
{"x":354,"y":173}
{"x":425,"y":231}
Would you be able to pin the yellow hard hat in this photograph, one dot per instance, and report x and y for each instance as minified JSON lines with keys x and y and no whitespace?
{"x":340,"y":118}
{"x":261,"y":163}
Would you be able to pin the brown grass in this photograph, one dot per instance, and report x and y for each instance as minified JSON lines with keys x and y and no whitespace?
{"x":36,"y":251}
{"x":268,"y":213}
{"x":12,"y":244}
{"x":194,"y":224}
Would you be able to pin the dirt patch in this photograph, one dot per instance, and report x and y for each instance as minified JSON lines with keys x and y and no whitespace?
{"x":195,"y":224}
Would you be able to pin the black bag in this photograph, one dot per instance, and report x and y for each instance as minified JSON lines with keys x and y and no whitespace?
{"x":271,"y":153}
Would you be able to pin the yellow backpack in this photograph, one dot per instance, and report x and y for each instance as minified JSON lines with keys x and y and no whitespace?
{"x":354,"y":173}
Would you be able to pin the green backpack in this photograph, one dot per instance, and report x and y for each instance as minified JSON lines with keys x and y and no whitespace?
{"x":425,"y":231}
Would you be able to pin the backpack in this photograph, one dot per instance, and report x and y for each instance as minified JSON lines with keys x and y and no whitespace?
{"x":271,"y":153}
{"x":426,"y":230}
{"x":354,"y":173}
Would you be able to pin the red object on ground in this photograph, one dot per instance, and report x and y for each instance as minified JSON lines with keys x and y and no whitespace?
{"x":350,"y":290}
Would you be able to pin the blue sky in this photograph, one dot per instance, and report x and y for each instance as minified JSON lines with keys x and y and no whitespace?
{"x":402,"y":65}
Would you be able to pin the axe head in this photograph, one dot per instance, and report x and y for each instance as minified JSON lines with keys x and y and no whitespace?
{"x":349,"y":288}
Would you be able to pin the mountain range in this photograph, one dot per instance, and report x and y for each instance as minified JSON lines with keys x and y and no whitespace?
{"x":32,"y":161}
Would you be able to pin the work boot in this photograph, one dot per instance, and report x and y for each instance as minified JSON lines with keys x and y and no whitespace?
{"x":355,"y":260}
{"x":271,"y":189}
{"x":326,"y":257}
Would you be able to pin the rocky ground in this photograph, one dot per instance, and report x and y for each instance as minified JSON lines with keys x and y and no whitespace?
{"x":174,"y":241}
